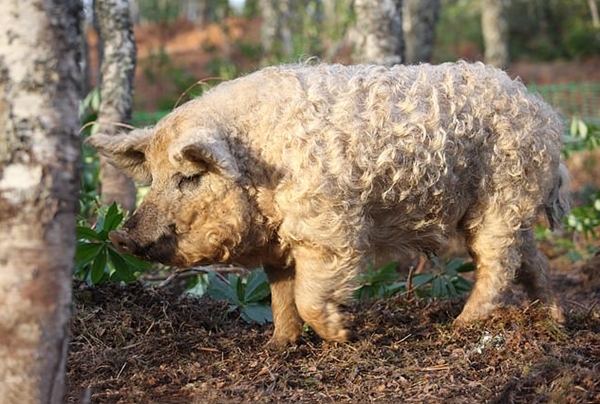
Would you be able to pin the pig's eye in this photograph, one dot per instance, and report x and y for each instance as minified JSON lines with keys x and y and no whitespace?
{"x":189,"y":182}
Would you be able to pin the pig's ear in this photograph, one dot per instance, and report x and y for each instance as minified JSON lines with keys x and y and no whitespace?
{"x":202,"y":150}
{"x":127,"y":151}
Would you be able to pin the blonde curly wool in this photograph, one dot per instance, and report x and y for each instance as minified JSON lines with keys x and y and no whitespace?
{"x":341,"y":166}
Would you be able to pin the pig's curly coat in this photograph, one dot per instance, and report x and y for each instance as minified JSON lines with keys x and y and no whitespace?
{"x":350,"y":165}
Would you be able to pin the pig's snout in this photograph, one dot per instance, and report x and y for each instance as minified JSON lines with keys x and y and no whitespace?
{"x":162,"y":249}
{"x":122,"y":241}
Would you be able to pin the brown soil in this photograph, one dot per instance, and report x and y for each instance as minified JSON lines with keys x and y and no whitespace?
{"x":136,"y":344}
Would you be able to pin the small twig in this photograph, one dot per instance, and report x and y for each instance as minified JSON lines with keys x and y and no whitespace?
{"x":198,"y":83}
{"x":194,"y":271}
{"x":421,"y":264}
{"x":411,"y":271}
{"x":212,"y":350}
{"x":409,"y":281}
{"x":589,"y":313}
{"x":117,"y":124}
{"x":121,"y":371}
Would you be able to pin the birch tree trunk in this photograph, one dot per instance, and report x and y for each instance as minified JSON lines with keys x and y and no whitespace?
{"x":276,"y":30}
{"x":418,"y":22}
{"x":116,"y":89}
{"x":378,"y":32}
{"x":495,"y":32}
{"x":39,"y":183}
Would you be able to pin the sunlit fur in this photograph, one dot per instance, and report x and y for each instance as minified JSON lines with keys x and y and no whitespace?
{"x":339,"y":167}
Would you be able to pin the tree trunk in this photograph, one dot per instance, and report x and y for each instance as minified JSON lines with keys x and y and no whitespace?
{"x":418,"y":22}
{"x":495,"y":32}
{"x":116,"y":90}
{"x":378,"y":32}
{"x":276,"y":29}
{"x":594,"y":13}
{"x":39,"y":183}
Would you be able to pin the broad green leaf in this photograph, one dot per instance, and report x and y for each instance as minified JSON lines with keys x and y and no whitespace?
{"x":220,"y":290}
{"x":98,"y":268}
{"x":468,"y":266}
{"x":258,"y":313}
{"x":113,"y":218}
{"x":582,"y":129}
{"x":395,"y":287}
{"x":451,"y":266}
{"x":257,"y":287}
{"x":438,"y":287}
{"x":132,"y":260}
{"x":461,"y":284}
{"x":86,"y":233}
{"x":124,"y":272}
{"x":421,"y":279}
{"x":450,"y":289}
{"x":85,"y":252}
{"x":238,"y":286}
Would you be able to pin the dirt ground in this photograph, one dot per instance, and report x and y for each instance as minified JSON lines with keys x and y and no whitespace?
{"x":136,"y":344}
{"x":142,"y":345}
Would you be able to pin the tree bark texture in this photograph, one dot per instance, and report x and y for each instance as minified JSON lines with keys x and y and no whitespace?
{"x":276,"y":30}
{"x":419,"y":18}
{"x":378,"y":32}
{"x":116,"y":91}
{"x":495,"y":32}
{"x":39,"y":183}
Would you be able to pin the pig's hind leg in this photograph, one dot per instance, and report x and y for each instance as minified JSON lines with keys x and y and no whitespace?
{"x":493,"y":244}
{"x":533,"y":275}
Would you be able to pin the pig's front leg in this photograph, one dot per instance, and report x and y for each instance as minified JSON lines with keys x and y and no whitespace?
{"x":322,"y":284}
{"x":288,"y":324}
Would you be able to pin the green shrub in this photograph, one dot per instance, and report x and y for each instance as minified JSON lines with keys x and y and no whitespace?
{"x":446,"y":281}
{"x":248,"y":296}
{"x":96,"y":259}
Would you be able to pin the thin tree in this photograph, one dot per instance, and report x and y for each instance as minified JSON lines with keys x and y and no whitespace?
{"x":419,"y":18}
{"x":594,"y":13}
{"x":378,"y":32}
{"x":39,"y":185}
{"x":495,"y":32}
{"x":276,"y":29}
{"x":116,"y":89}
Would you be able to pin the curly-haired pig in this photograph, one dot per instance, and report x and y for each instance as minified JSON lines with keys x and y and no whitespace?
{"x":315,"y":171}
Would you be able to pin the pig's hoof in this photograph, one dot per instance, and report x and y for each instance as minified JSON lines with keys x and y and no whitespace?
{"x":557,"y":313}
{"x":472,"y":312}
{"x":327,"y":321}
{"x":279,"y":342}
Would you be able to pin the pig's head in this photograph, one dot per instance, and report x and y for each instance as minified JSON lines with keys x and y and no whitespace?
{"x":196,"y":210}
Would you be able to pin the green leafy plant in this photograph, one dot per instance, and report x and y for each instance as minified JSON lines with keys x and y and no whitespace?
{"x":586,"y":218}
{"x":96,"y":259}
{"x":582,"y":136}
{"x":248,"y":296}
{"x":89,"y":195}
{"x":380,"y":282}
{"x":447,"y":282}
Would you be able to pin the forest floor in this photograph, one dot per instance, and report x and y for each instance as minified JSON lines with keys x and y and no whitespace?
{"x":137,"y":344}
